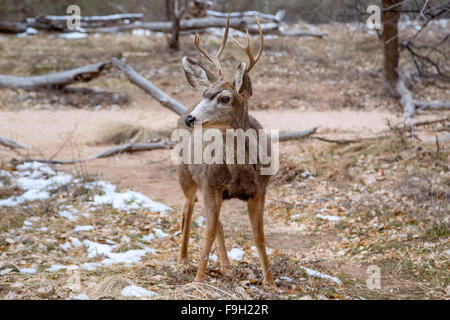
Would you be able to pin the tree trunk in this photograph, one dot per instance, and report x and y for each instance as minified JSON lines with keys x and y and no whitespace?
{"x":389,"y":19}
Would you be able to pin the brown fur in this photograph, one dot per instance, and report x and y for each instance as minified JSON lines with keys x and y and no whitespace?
{"x":219,"y":182}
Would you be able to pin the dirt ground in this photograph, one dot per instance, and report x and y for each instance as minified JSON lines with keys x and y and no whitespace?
{"x":389,"y":197}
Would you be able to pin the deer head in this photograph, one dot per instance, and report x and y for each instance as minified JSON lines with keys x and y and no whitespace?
{"x":224,"y":103}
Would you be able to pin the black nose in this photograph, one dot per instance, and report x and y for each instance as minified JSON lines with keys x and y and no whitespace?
{"x":189,"y":121}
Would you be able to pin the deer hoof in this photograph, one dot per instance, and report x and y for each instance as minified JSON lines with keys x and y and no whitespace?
{"x":183,"y":261}
{"x":227,"y":271}
{"x":270,"y":286}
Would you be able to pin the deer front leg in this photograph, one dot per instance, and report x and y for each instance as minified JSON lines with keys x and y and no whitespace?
{"x":222,"y":251}
{"x":186,"y":222}
{"x":213,"y":202}
{"x":256,"y":212}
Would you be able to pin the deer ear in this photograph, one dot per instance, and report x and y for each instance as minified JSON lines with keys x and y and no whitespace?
{"x":198,"y":76}
{"x":242,"y":84}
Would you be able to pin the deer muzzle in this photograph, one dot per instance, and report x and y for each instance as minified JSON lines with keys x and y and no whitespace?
{"x":189,"y":121}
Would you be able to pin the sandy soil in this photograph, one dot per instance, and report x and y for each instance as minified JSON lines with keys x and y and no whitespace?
{"x":68,"y":134}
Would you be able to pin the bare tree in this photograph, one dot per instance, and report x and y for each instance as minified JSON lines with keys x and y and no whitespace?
{"x":174,"y":13}
{"x":390,"y":44}
{"x":429,"y":59}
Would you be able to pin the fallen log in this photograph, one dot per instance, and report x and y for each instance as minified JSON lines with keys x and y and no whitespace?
{"x":130,"y":147}
{"x":348,"y":141}
{"x":277,"y":17}
{"x":59,"y":23}
{"x":296,"y":135}
{"x":13,"y":27}
{"x":436,"y":105}
{"x":240,"y":24}
{"x":163,"y":98}
{"x":12,"y":144}
{"x":114,"y":18}
{"x":189,"y":24}
{"x":55,"y":80}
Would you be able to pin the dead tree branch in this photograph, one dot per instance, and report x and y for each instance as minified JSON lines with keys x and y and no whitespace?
{"x":12,"y":27}
{"x":347,"y":141}
{"x":59,"y":23}
{"x":12,"y":144}
{"x":163,"y":98}
{"x":130,"y":147}
{"x":276,"y":18}
{"x":55,"y":80}
{"x":297,"y":135}
{"x":409,"y":104}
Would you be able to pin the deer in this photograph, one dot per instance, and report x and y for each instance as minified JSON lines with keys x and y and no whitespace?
{"x":224,"y":106}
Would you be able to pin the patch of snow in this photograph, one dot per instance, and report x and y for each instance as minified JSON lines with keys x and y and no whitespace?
{"x":69,"y":213}
{"x":97,"y":249}
{"x":141,"y":32}
{"x":126,"y":201}
{"x":318,"y":274}
{"x":148,"y":237}
{"x":236,"y":254}
{"x":90,"y":266}
{"x":29,"y":31}
{"x":287,"y":279}
{"x":75,"y":242}
{"x":160,"y":234}
{"x":82,"y":296}
{"x":5,"y":271}
{"x":43,"y":229}
{"x":27,"y":223}
{"x":200,"y":221}
{"x":27,"y":270}
{"x":269,"y":251}
{"x":73,"y":35}
{"x":138,"y":292}
{"x":213,"y":257}
{"x":4,"y":173}
{"x":329,"y":218}
{"x":66,"y":246}
{"x":130,"y":256}
{"x":30,"y":178}
{"x":58,"y":267}
{"x":83,"y":228}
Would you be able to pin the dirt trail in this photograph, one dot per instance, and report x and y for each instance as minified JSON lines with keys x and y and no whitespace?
{"x":68,"y":134}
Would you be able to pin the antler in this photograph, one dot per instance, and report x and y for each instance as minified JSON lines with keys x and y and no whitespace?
{"x":215,"y":59}
{"x":247,"y":50}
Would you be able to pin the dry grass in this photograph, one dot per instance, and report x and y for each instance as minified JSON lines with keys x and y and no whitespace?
{"x":120,"y":133}
{"x":391,"y":195}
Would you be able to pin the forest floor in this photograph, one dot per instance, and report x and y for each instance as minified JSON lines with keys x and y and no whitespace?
{"x":337,"y":215}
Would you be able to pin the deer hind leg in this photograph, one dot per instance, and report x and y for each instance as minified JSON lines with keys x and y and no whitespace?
{"x":190,"y":193}
{"x":222,"y":251}
{"x":256,"y":213}
{"x":213,"y":202}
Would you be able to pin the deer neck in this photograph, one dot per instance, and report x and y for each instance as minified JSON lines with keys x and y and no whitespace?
{"x":240,"y":118}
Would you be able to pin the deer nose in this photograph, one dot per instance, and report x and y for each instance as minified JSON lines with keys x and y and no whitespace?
{"x":189,"y":121}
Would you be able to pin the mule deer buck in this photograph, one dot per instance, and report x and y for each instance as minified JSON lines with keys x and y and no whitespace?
{"x":224,"y":106}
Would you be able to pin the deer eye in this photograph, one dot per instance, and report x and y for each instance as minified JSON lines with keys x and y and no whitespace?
{"x":224,"y":99}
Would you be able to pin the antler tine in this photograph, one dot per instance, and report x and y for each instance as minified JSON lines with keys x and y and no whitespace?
{"x":215,"y":59}
{"x":247,"y":49}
